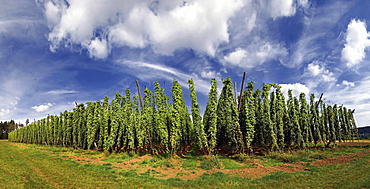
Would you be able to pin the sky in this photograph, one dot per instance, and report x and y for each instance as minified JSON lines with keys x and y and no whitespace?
{"x":57,"y":52}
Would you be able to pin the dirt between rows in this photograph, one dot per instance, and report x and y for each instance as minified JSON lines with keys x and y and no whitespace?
{"x":176,"y":171}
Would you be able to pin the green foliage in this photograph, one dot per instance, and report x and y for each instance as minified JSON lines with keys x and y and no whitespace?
{"x":201,"y":138}
{"x":181,"y":129}
{"x":210,"y":117}
{"x":162,"y":116}
{"x":228,"y":128}
{"x":265,"y":120}
{"x":267,"y":123}
{"x":247,"y":119}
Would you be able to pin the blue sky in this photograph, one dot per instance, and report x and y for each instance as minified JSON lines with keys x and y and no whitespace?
{"x":56,"y":52}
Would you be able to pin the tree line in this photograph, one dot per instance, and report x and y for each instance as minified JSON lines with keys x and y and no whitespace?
{"x":261,"y":118}
{"x":7,"y":127}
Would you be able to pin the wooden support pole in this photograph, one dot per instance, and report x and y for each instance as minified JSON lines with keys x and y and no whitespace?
{"x":142,"y":106}
{"x":319,"y":100}
{"x":241,"y":93}
{"x":317,"y":104}
{"x":235,"y":100}
{"x":139,"y":93}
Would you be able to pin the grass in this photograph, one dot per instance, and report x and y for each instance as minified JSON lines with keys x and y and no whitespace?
{"x":190,"y":163}
{"x":31,"y":168}
{"x":277,"y":158}
{"x":210,"y":162}
{"x":118,"y":157}
{"x":228,"y":163}
{"x":298,"y":156}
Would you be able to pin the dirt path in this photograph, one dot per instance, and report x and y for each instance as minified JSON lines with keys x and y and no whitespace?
{"x":176,"y":171}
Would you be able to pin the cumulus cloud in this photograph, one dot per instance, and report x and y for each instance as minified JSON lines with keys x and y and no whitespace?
{"x":280,"y":8}
{"x":256,"y":54}
{"x":347,"y":83}
{"x":315,"y":70}
{"x":98,"y":48}
{"x":4,"y":112}
{"x":236,"y":56}
{"x":210,"y":74}
{"x":357,"y":41}
{"x":42,"y":107}
{"x":297,"y":88}
{"x":164,"y":25}
{"x":357,"y":98}
{"x":53,"y":11}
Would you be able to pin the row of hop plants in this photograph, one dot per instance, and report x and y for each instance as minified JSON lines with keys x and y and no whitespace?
{"x":263,"y":119}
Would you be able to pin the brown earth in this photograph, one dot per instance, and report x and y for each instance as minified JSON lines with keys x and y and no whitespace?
{"x":362,"y":142}
{"x":176,"y":171}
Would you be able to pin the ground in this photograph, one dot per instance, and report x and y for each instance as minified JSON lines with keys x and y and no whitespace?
{"x":188,"y":168}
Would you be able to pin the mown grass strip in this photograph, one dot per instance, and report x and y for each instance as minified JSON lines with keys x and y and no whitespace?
{"x":30,"y":168}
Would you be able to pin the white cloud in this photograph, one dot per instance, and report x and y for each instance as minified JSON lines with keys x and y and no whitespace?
{"x":256,"y":54}
{"x":347,"y":83}
{"x":164,"y":25}
{"x":251,"y":21}
{"x":98,"y":48}
{"x":317,"y":71}
{"x":284,"y":8}
{"x":357,"y":98}
{"x":42,"y":107}
{"x":236,"y":56}
{"x":210,"y":74}
{"x":53,"y":12}
{"x":279,"y":8}
{"x":4,"y":112}
{"x":297,"y":88}
{"x":303,"y":3}
{"x":316,"y":37}
{"x":61,"y":92}
{"x":141,"y":70}
{"x":357,"y":40}
{"x":15,"y":101}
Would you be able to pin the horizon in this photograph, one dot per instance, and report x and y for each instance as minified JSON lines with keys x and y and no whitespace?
{"x":55,"y":52}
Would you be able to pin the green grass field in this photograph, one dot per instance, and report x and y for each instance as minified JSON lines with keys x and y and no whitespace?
{"x":41,"y":167}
